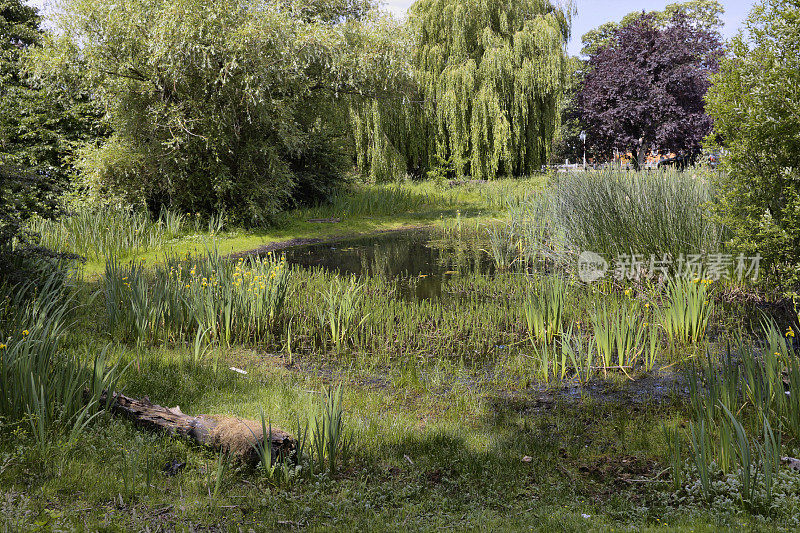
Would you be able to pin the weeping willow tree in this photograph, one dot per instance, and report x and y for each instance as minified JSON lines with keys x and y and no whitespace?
{"x":488,"y":76}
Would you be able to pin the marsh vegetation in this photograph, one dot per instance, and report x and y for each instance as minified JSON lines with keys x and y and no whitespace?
{"x":469,"y":353}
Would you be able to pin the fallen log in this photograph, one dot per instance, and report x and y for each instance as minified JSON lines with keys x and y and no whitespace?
{"x":228,"y":434}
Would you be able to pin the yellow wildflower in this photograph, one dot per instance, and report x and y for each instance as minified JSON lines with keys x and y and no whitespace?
{"x":3,"y":346}
{"x":790,"y":333}
{"x":26,"y":333}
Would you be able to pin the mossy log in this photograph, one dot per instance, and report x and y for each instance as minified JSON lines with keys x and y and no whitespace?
{"x":229,"y":434}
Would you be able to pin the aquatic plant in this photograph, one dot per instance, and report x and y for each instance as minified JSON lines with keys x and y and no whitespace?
{"x":229,"y":301}
{"x":42,"y":384}
{"x":688,"y":309}
{"x":619,"y":331}
{"x":656,"y":213}
{"x":100,"y":232}
{"x":544,"y":308}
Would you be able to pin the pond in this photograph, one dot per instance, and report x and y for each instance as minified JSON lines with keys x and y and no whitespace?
{"x":419,"y":260}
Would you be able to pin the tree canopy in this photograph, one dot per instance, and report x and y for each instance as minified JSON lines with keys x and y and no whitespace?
{"x":755,"y":103}
{"x":40,"y":129}
{"x":219,"y":104}
{"x":486,"y":81}
{"x":706,"y":14}
{"x":645,"y":89}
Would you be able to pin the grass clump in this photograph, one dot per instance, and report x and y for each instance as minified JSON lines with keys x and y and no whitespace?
{"x":689,"y":307}
{"x":100,"y":232}
{"x":544,"y":309}
{"x":227,"y":302}
{"x":41,"y":384}
{"x":651,"y":213}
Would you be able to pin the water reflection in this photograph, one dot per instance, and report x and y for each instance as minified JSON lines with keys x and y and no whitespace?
{"x":418,"y":259}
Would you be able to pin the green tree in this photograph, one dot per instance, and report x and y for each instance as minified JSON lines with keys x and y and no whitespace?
{"x":41,"y":126}
{"x":40,"y":129}
{"x":568,"y":145}
{"x":219,"y":104}
{"x":755,"y":103}
{"x":483,"y":93}
{"x":705,"y":14}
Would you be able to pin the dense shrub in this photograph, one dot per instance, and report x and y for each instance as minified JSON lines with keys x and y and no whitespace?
{"x":219,"y":105}
{"x":755,"y":104}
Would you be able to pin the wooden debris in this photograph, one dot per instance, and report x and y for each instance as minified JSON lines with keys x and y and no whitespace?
{"x":229,"y":434}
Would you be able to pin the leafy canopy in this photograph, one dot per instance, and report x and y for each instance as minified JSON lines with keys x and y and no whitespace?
{"x":483,"y":91}
{"x":706,"y":14}
{"x":645,"y":89}
{"x":40,"y":129}
{"x":216,"y":105}
{"x":755,"y":103}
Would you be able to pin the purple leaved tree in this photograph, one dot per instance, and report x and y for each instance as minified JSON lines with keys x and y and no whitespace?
{"x":645,"y":89}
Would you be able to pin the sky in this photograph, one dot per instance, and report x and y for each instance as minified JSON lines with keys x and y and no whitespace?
{"x":593,"y":13}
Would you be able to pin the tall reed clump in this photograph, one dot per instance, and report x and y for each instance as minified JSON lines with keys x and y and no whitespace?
{"x":378,"y":323}
{"x":648,"y":213}
{"x":544,"y":309}
{"x":380,"y":200}
{"x":330,"y":443}
{"x":100,"y":232}
{"x":623,"y":334}
{"x":197,"y":297}
{"x":741,"y":408}
{"x":570,"y":358}
{"x":337,"y":316}
{"x":41,"y":383}
{"x":530,"y":239}
{"x":318,"y":450}
{"x":689,"y":306}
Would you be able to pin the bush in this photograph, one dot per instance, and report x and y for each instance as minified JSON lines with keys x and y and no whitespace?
{"x":230,"y":108}
{"x":755,"y":104}
{"x":41,"y":386}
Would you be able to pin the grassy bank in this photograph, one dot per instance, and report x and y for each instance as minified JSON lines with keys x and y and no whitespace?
{"x":356,"y":210}
{"x":521,"y":398}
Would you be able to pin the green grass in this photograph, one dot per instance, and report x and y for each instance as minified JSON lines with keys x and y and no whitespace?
{"x":515,"y":401}
{"x":649,"y":213}
{"x":360,"y":209}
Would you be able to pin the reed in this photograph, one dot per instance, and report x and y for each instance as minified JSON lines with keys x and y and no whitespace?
{"x":734,"y":400}
{"x":329,"y":441}
{"x":544,"y":309}
{"x":40,"y":382}
{"x":689,"y":307}
{"x":100,"y":232}
{"x":337,"y":316}
{"x":230,"y":302}
{"x":619,"y":330}
{"x":653,"y":213}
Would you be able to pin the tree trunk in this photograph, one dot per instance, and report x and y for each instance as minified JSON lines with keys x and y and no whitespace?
{"x":231,"y":435}
{"x":635,"y":159}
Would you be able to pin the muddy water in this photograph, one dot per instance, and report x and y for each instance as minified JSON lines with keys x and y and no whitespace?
{"x":419,"y":260}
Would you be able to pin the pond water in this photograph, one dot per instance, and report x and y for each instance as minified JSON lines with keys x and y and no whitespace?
{"x":419,"y":260}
